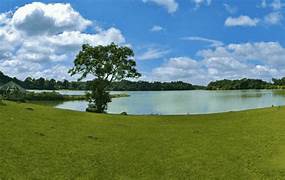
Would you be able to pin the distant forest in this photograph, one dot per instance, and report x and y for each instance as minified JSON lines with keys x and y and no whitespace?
{"x":246,"y":84}
{"x":52,"y":84}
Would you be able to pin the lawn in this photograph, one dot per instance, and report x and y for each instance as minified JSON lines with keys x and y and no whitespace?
{"x":39,"y":142}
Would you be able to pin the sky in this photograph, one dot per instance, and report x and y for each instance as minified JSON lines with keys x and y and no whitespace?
{"x":195,"y":41}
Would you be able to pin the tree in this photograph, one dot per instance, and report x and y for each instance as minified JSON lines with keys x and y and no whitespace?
{"x":107,"y":63}
{"x":29,"y":83}
{"x":65,"y":84}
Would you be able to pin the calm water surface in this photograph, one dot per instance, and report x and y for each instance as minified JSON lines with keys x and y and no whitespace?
{"x":184,"y":102}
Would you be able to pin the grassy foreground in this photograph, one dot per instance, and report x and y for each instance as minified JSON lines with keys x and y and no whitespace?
{"x":38,"y":142}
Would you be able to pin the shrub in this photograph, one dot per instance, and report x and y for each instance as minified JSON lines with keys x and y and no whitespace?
{"x":2,"y":101}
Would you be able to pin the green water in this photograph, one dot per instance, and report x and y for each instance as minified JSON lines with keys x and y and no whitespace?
{"x":185,"y":102}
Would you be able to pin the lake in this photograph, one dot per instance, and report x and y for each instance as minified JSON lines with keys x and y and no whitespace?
{"x":183,"y":102}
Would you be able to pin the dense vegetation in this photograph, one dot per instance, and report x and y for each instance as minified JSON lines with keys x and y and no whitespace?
{"x":52,"y":84}
{"x":240,"y":84}
{"x":152,"y":86}
{"x":39,"y":142}
{"x":5,"y":79}
{"x":279,"y":82}
{"x":125,"y":85}
{"x":47,"y":96}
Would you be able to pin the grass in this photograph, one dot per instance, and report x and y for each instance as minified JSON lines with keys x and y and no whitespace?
{"x":39,"y":142}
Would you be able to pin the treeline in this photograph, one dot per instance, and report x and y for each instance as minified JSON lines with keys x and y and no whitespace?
{"x":279,"y":82}
{"x":52,"y":84}
{"x":5,"y":79}
{"x":242,"y":84}
{"x":152,"y":86}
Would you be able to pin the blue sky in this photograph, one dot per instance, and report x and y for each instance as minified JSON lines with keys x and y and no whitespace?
{"x":191,"y":40}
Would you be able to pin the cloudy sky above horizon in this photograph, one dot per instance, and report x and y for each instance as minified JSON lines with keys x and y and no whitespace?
{"x":190,"y":40}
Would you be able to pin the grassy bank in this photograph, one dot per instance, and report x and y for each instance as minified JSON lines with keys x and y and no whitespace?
{"x":44,"y":143}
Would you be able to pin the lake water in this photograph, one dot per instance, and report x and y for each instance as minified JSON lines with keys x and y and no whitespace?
{"x":184,"y":102}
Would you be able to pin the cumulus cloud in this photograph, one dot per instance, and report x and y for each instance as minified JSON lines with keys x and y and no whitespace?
{"x":39,"y":18}
{"x":42,"y":39}
{"x":273,"y":18}
{"x":251,"y":60}
{"x":170,"y":5}
{"x":277,"y":5}
{"x":179,"y":68}
{"x":241,"y":21}
{"x":4,"y":18}
{"x":276,"y":16}
{"x":212,"y":42}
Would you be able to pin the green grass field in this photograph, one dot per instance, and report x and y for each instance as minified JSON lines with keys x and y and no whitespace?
{"x":39,"y":142}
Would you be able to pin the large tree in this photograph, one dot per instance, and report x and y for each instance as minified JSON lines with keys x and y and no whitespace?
{"x":107,"y":64}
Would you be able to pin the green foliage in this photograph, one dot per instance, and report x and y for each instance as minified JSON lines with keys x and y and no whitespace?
{"x":124,"y":85}
{"x":47,"y":96}
{"x":150,"y":86}
{"x":5,"y":79}
{"x":99,"y":97}
{"x":15,"y":95}
{"x":107,"y":64}
{"x":2,"y":100}
{"x":279,"y":82}
{"x":44,"y":96}
{"x":52,"y":84}
{"x":239,"y":84}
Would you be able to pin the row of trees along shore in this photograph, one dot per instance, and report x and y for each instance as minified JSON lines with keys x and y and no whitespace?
{"x":246,"y":84}
{"x":125,"y":85}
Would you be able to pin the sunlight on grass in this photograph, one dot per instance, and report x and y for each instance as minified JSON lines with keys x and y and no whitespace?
{"x":42,"y":142}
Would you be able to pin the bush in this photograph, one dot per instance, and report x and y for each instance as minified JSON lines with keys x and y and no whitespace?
{"x":1,"y":101}
{"x":13,"y":95}
{"x":124,"y":113}
{"x":44,"y":96}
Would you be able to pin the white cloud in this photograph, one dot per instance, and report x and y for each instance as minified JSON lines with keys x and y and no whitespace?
{"x":273,"y":18}
{"x":213,"y":43}
{"x":170,"y":5}
{"x":4,"y":18}
{"x":263,"y":4}
{"x":198,"y":3}
{"x":276,"y":16}
{"x":179,"y":68}
{"x":277,"y":5}
{"x":262,"y":60}
{"x":39,"y":18}
{"x":152,"y":53}
{"x":241,"y":21}
{"x":27,"y":49}
{"x":230,"y":9}
{"x":156,"y":28}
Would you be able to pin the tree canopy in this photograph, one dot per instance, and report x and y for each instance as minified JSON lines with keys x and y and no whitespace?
{"x":107,"y":64}
{"x":239,"y":84}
